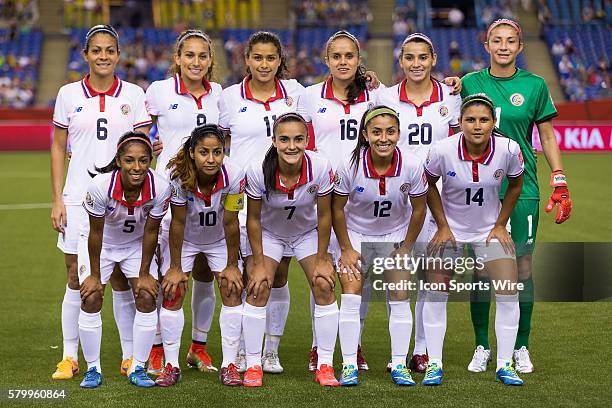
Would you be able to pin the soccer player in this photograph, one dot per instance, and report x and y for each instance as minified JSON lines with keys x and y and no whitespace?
{"x":247,"y":112}
{"x":472,"y":166}
{"x":289,"y":196}
{"x":207,"y":193}
{"x":521,"y":101}
{"x":379,"y":196}
{"x":430,"y":112}
{"x":177,"y":105}
{"x":92,"y":114}
{"x":126,"y":204}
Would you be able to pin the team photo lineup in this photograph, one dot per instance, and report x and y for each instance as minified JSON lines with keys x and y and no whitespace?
{"x":237,"y":181}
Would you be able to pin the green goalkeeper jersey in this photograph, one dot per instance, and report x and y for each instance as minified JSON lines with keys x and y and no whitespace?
{"x":521,"y":101}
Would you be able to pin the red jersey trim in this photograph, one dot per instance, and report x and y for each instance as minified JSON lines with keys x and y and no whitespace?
{"x":181,"y":89}
{"x":437,"y":95}
{"x":280,"y":92}
{"x":327,"y":92}
{"x":306,"y":176}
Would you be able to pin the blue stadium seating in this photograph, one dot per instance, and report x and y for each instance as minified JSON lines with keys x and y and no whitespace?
{"x":25,"y":44}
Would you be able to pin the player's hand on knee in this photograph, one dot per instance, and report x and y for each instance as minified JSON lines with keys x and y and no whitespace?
{"x":258,"y":279}
{"x":90,"y":286}
{"x":561,"y":196}
{"x":148,"y":284}
{"x":230,"y":280}
{"x":500,"y":233}
{"x":59,"y":220}
{"x":350,"y":263}
{"x":323,"y":269}
{"x":443,"y":237}
{"x":174,"y":280}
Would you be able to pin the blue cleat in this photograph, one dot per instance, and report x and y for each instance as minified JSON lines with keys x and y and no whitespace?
{"x":140,"y":378}
{"x":433,"y":375}
{"x":92,"y":379}
{"x":401,"y":376}
{"x":349,"y":376}
{"x":507,"y":375}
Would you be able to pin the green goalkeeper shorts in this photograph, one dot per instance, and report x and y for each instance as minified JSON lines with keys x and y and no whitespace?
{"x":524,"y":226}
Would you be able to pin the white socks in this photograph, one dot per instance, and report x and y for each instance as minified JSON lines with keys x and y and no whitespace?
{"x":230,"y":321}
{"x":202,"y":308}
{"x":312,"y":325}
{"x":253,"y":327}
{"x":365,"y":302}
{"x":171,"y":323}
{"x":349,"y":327}
{"x":71,"y":308}
{"x":326,"y":329}
{"x":145,"y":325}
{"x":124,"y":310}
{"x":90,"y":332}
{"x":420,"y":345}
{"x":507,"y":315}
{"x":276,"y":317}
{"x":400,"y":329}
{"x":434,"y":322}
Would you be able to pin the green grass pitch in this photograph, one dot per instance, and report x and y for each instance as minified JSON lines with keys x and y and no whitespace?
{"x":570,"y":341}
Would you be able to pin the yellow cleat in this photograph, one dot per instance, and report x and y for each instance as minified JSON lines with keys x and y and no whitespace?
{"x":125,"y":366}
{"x":66,"y":369}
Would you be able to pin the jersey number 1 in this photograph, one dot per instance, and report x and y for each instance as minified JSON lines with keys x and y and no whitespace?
{"x":269,"y":124}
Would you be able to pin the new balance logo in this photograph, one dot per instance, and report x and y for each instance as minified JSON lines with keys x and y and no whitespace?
{"x":451,"y":174}
{"x":359,"y":189}
{"x":173,"y":106}
{"x":243,"y":109}
{"x":80,"y":108}
{"x":321,"y":110}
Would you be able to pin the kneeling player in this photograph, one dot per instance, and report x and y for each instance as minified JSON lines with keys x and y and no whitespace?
{"x":125,"y":205}
{"x":289,"y":207}
{"x":207,"y":194}
{"x":472,"y":165}
{"x":379,"y":196}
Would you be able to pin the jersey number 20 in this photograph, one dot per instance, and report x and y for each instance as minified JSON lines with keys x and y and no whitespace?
{"x":419,"y":134}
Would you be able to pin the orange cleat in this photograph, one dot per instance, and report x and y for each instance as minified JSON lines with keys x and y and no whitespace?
{"x":198,"y":357}
{"x":325,"y":376}
{"x":156,"y":360}
{"x":253,"y":377}
{"x":313,"y":359}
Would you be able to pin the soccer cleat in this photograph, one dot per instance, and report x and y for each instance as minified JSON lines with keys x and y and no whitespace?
{"x":324,"y":375}
{"x":198,"y":357}
{"x":125,"y":366}
{"x":230,"y":376}
{"x":92,"y":379}
{"x":253,"y":377}
{"x":401,"y":376}
{"x":418,"y":363}
{"x":522,"y":361}
{"x":433,"y":375}
{"x":156,"y":360}
{"x":271,"y":363}
{"x":140,"y":378}
{"x":480,"y":360}
{"x":362,"y":365}
{"x":170,"y":376}
{"x":313,"y":360}
{"x":349,"y":376}
{"x":66,"y":369}
{"x":389,"y":366}
{"x":241,"y":361}
{"x":507,"y":375}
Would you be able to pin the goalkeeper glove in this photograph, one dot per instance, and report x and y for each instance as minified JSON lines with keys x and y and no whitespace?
{"x":560,"y":195}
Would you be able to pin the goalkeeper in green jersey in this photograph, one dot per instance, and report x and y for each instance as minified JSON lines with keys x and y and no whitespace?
{"x":521,"y":101}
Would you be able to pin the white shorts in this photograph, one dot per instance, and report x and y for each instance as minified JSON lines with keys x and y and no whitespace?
{"x":216,"y":254}
{"x":427,"y":232}
{"x":68,"y":241}
{"x":129,"y":259}
{"x":276,"y":247}
{"x":483,"y":252}
{"x":245,"y":248}
{"x":375,"y":246}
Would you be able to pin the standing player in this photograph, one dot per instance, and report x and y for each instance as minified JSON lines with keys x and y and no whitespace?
{"x":207,"y":193}
{"x":91,"y":114}
{"x":126,"y":204}
{"x":379,"y":196}
{"x":289,"y":208}
{"x":430,"y":112}
{"x":247,"y":113}
{"x":178,"y":104}
{"x":472,"y":166}
{"x":522,"y":100}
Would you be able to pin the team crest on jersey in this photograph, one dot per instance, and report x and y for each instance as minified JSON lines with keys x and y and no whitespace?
{"x":370,"y":105}
{"x":313,"y":189}
{"x":499,"y":173}
{"x":125,"y":109}
{"x":82,"y":270}
{"x":289,"y":101}
{"x":443,"y":111}
{"x":404,"y":188}
{"x":517,"y":99}
{"x":89,"y":200}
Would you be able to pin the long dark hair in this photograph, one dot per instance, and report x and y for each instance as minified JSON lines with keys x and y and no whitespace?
{"x":355,"y":88}
{"x":124,"y":141}
{"x":270,"y":162}
{"x":182,"y":166}
{"x":266,"y":37}
{"x":362,"y":143}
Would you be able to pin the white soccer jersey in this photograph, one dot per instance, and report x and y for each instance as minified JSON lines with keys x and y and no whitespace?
{"x":288,"y":212}
{"x":422,"y":126}
{"x":204,"y":221}
{"x":179,"y":112}
{"x":470,"y":196}
{"x":250,"y":121}
{"x":380,"y":204}
{"x":335,"y":123}
{"x":95,"y":122}
{"x":124,"y":222}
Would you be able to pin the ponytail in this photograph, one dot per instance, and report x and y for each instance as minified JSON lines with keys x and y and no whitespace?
{"x":358,"y":85}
